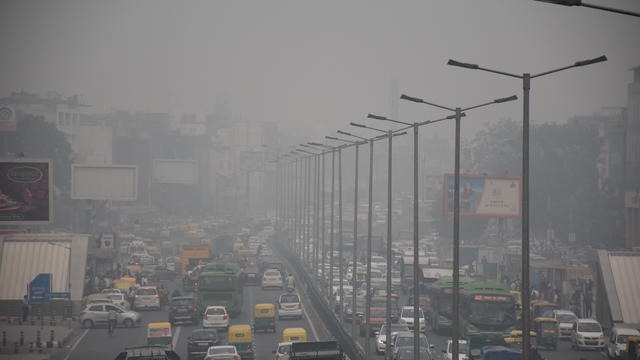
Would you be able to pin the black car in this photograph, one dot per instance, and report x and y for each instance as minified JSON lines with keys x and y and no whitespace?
{"x":183,"y":308}
{"x":199,"y":341}
{"x":252,"y":276}
{"x":163,"y":273}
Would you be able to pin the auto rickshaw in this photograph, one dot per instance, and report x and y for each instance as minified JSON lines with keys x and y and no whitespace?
{"x":294,"y":335}
{"x":264,"y":317}
{"x":633,"y":348}
{"x":515,"y":338}
{"x":159,"y":334}
{"x":540,"y":307}
{"x":548,"y":332}
{"x":124,"y":283}
{"x":241,"y":337}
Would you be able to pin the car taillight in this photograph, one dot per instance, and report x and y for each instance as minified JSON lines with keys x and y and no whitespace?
{"x":277,"y":357}
{"x":204,"y":316}
{"x":156,"y":295}
{"x":225,"y":316}
{"x":172,"y":308}
{"x":236,"y":357}
{"x":136,"y":296}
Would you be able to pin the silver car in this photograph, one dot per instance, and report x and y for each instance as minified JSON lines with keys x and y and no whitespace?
{"x":146,"y":297}
{"x":98,"y":314}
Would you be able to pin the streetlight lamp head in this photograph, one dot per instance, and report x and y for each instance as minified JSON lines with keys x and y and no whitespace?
{"x":344,"y":133}
{"x":315,"y":143}
{"x":400,"y":133}
{"x":461,"y":64}
{"x":563,"y":2}
{"x":357,"y":125}
{"x":331,"y":138}
{"x":411,"y":98}
{"x":591,"y":61}
{"x":376,"y":117}
{"x":506,"y":99}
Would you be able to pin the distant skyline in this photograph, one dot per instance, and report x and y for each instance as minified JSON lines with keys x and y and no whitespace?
{"x":313,"y":67}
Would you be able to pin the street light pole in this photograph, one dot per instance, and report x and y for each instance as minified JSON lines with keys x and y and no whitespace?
{"x":526,"y":86}
{"x":387,"y":352}
{"x":593,"y":6}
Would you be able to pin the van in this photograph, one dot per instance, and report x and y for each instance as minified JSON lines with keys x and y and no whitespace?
{"x":617,"y":342}
{"x":587,"y":334}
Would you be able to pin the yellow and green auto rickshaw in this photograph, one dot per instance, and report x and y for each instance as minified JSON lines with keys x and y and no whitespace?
{"x":241,"y":337}
{"x":160,"y":334}
{"x":294,"y":335}
{"x":548,"y":332}
{"x":264,"y":317}
{"x":541,"y":307}
{"x":633,"y":348}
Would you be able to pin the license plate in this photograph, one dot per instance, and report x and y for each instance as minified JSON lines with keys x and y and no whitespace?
{"x":182,"y":310}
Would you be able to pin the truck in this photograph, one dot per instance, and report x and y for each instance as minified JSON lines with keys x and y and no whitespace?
{"x":192,"y":255}
{"x":317,"y":350}
{"x":220,"y":284}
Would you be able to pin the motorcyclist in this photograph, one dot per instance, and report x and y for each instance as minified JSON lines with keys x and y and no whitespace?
{"x":290,"y":282}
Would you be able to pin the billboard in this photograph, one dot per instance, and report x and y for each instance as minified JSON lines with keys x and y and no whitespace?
{"x":168,"y":171}
{"x":25,"y":196}
{"x":104,"y":182}
{"x":488,"y":196}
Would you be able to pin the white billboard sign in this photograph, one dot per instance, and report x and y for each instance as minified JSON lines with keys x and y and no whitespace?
{"x":169,"y":171}
{"x":108,"y":182}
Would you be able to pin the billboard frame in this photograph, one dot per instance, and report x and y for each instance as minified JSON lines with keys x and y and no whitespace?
{"x":445,"y":198}
{"x":73,"y":196}
{"x":50,"y":195}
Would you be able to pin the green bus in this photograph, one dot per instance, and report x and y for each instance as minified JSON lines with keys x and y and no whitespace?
{"x":441,"y":294}
{"x":489,"y":313}
{"x":220,"y":284}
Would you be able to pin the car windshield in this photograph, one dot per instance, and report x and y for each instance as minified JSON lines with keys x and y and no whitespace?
{"x":284,"y":349}
{"x":222,"y":350}
{"x":272,"y":273}
{"x":215,"y":311}
{"x":289,"y":298}
{"x":409,"y":313}
{"x":147,"y":292}
{"x":566,"y":318}
{"x":115,"y":297}
{"x":408,"y":341}
{"x":204,"y":335}
{"x":181,"y":301}
{"x":589,"y":327}
{"x":622,"y":339}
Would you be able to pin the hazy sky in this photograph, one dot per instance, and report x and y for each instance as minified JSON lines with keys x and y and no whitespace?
{"x":316,"y":65}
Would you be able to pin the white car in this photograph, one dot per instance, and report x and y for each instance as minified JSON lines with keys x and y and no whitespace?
{"x":381,"y":337}
{"x":146,"y":297}
{"x":565,"y":319}
{"x":617,"y":343}
{"x":289,"y":306}
{"x":406,"y":317}
{"x":215,"y":317}
{"x":222,"y":352}
{"x":111,"y":291}
{"x":282,"y":351}
{"x":118,"y":299}
{"x":587,"y":334}
{"x":463,"y":350}
{"x":272,"y":279}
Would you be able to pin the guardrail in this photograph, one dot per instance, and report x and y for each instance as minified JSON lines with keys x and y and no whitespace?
{"x":346,"y":341}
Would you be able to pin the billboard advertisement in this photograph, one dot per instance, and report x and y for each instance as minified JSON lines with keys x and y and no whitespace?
{"x":107,"y":182}
{"x":169,"y":171}
{"x":487,"y":196}
{"x":25,"y":196}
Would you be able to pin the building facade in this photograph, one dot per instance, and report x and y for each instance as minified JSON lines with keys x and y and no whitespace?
{"x":632,"y":164}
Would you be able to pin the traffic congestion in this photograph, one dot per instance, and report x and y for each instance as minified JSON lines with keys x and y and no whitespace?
{"x":211,"y":295}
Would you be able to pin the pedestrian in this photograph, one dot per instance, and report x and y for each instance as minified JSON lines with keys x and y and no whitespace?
{"x":588,"y":298}
{"x":25,"y":308}
{"x":143,"y":280}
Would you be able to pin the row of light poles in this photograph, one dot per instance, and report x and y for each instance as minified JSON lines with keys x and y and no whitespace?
{"x":297,"y":213}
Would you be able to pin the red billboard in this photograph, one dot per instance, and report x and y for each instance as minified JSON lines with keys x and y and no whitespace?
{"x":25,"y":192}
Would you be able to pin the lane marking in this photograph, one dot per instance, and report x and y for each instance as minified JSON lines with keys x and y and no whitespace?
{"x":313,"y":328}
{"x":176,"y":336}
{"x":73,"y":347}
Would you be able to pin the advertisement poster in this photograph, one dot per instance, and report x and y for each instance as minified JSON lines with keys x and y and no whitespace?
{"x":488,"y":196}
{"x":25,"y":196}
{"x":7,"y":118}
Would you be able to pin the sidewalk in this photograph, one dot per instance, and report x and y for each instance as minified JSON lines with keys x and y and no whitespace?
{"x":17,"y":338}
